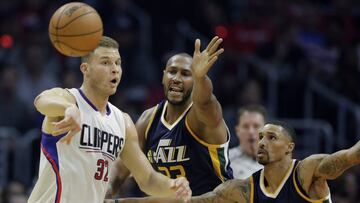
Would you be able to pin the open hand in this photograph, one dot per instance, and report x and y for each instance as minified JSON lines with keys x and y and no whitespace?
{"x":203,"y":61}
{"x":70,"y":124}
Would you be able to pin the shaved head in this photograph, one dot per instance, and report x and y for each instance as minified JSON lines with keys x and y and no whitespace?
{"x":179,"y":56}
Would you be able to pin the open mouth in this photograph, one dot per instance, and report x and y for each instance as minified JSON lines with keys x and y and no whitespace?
{"x":113,"y":81}
{"x":175,"y":89}
{"x":261,"y":151}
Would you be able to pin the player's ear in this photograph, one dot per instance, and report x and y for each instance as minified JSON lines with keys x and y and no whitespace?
{"x":291,"y":147}
{"x":163,"y":78}
{"x":84,"y":67}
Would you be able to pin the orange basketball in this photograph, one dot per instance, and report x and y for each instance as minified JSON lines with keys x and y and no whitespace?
{"x":75,"y":29}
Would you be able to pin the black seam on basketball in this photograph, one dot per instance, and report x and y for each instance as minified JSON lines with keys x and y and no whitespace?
{"x":82,"y":4}
{"x":59,"y":28}
{"x":77,"y":35}
{"x":57,"y":24}
{"x":60,"y":42}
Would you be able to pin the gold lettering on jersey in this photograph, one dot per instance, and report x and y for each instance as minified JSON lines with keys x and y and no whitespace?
{"x":167,"y":154}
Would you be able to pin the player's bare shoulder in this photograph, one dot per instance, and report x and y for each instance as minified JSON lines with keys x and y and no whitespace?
{"x":144,"y":120}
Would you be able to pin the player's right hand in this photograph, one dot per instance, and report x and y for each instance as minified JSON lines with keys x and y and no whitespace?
{"x":181,"y":188}
{"x":70,"y":124}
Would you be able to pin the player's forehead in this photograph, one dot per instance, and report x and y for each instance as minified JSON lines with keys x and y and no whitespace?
{"x":107,"y":52}
{"x":179,"y":61}
{"x":271,"y":129}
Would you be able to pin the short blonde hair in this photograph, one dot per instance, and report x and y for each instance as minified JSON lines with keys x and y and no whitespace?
{"x":105,"y":41}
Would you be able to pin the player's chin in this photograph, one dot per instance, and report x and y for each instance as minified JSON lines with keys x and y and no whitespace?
{"x":262,"y":159}
{"x":112,"y":91}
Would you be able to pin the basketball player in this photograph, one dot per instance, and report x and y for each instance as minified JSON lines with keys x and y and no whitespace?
{"x":283,"y":178}
{"x":83,"y":134}
{"x":243,"y":157}
{"x":185,"y":135}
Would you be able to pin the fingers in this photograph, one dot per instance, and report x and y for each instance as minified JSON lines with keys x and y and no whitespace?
{"x":63,"y":123}
{"x":182,"y":189}
{"x":215,"y":46}
{"x":211,"y":62}
{"x":68,"y":137}
{"x":217,"y":53}
{"x":60,"y":131}
{"x":197,"y":46}
{"x":211,"y":43}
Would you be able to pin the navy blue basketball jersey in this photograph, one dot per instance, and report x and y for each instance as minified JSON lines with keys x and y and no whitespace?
{"x":289,"y":190}
{"x":176,"y":151}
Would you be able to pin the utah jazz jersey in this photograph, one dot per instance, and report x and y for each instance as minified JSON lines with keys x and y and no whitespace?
{"x":175,"y":151}
{"x":289,"y":189}
{"x":79,"y":172}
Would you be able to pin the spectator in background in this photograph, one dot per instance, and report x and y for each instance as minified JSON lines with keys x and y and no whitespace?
{"x":243,"y":157}
{"x":13,"y":109}
{"x":35,"y":75}
{"x":15,"y":192}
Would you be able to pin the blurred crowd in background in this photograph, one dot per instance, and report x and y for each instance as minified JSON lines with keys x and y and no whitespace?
{"x":300,"y":59}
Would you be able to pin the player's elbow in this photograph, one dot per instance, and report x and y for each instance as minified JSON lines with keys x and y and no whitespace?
{"x":37,"y":104}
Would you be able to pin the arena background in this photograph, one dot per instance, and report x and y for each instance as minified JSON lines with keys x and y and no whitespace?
{"x":299,"y":58}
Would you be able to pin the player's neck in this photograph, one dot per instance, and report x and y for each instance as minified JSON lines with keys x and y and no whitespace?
{"x":173,"y":112}
{"x":98,"y":100}
{"x":275,"y":172}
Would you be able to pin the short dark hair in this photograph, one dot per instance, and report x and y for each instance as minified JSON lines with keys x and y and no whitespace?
{"x":104,"y":42}
{"x":288,"y":129}
{"x":252,"y":108}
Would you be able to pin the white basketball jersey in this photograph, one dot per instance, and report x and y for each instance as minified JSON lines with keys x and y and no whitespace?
{"x":79,"y":172}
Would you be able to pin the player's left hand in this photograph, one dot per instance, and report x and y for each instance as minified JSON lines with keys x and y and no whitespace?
{"x":203,"y":61}
{"x":181,"y":188}
{"x":70,"y":124}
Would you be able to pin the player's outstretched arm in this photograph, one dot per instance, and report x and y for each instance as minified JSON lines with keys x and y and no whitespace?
{"x":322,"y":167}
{"x":208,"y":109}
{"x":206,"y":112}
{"x":333,"y":165}
{"x":53,"y":102}
{"x":61,"y":113}
{"x":121,"y":173}
{"x":149,"y":180}
{"x":228,"y":192}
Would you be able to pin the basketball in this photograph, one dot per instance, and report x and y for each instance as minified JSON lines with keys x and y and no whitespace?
{"x":75,"y":29}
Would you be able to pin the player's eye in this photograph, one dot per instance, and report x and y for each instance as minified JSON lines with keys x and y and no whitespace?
{"x":272,"y":137}
{"x":186,"y":73}
{"x":105,"y":63}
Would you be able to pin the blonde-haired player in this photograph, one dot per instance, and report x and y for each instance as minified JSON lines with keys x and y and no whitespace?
{"x":83,"y":134}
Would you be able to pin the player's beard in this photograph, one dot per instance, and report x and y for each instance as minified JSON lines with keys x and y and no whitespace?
{"x":185,"y":98}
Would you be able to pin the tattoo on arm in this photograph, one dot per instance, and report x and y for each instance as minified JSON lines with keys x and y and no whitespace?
{"x":334,"y":165}
{"x":229,"y":192}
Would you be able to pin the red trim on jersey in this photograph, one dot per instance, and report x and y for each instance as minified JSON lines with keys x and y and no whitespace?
{"x":56,"y":169}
